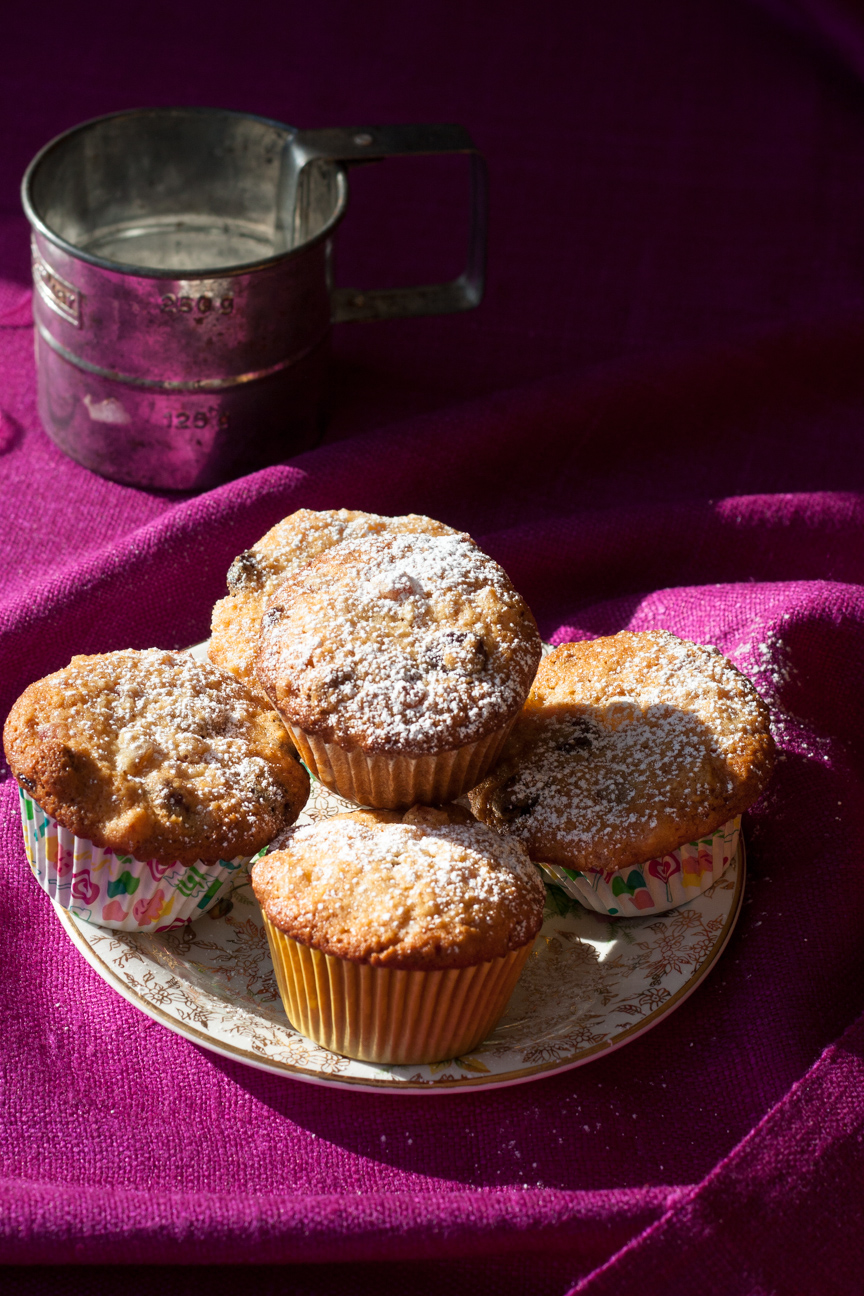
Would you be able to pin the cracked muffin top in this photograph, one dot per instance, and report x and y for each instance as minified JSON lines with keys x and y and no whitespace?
{"x":409,"y":644}
{"x":288,"y":546}
{"x":430,"y":889}
{"x":628,"y":747}
{"x":156,"y":755}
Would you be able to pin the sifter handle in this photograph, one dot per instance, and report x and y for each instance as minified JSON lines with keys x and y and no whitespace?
{"x":373,"y":144}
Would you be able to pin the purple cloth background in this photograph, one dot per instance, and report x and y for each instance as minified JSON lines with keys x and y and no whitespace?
{"x":655,"y":419}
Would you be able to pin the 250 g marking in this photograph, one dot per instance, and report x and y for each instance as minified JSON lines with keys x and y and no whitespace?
{"x":196,"y":418}
{"x":204,"y":305}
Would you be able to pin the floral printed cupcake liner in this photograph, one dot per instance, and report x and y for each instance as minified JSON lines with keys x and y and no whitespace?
{"x":656,"y":886}
{"x":116,"y":890}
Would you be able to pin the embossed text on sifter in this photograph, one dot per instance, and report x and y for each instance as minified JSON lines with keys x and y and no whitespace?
{"x":183,"y":296}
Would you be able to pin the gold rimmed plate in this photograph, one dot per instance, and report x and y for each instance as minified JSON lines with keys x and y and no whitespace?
{"x":590,"y":985}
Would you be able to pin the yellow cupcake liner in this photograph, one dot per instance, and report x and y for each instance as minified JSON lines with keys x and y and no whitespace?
{"x":656,"y":886}
{"x":396,"y":782}
{"x":390,"y":1015}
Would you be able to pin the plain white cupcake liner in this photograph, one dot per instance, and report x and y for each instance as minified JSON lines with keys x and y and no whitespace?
{"x":657,"y":885}
{"x":395,"y":782}
{"x":115,"y":890}
{"x":390,"y":1015}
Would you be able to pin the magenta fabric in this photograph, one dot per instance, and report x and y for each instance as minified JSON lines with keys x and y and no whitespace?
{"x":655,"y":419}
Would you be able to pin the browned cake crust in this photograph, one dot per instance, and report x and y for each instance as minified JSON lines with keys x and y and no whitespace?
{"x":628,"y":747}
{"x":155,"y":755}
{"x":400,"y":644}
{"x":288,"y":546}
{"x":419,"y":891}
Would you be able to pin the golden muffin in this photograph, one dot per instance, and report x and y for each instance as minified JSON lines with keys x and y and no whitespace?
{"x":153,"y":770}
{"x":398,"y":938}
{"x":398,"y":665}
{"x":630,"y":748}
{"x":286,"y":547}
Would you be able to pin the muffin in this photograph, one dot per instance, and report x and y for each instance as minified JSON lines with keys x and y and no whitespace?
{"x":147,"y":780}
{"x":398,"y":665}
{"x":398,"y":939}
{"x":627,"y":772}
{"x":288,"y":546}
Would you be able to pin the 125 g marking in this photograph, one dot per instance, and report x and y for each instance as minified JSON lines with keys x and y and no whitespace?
{"x":196,"y":418}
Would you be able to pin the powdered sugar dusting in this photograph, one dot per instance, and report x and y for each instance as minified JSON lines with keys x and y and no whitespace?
{"x":625,"y":743}
{"x":398,"y":891}
{"x":404,"y":643}
{"x":171,"y":734}
{"x":286,"y":548}
{"x":297,"y":539}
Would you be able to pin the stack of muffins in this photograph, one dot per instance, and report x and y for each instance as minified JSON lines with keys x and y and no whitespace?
{"x":398,"y":661}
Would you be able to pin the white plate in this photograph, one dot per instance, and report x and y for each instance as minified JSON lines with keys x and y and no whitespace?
{"x":590,"y":985}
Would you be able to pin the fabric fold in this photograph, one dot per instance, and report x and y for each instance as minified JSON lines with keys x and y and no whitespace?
{"x":49,"y":1223}
{"x":769,"y":1208}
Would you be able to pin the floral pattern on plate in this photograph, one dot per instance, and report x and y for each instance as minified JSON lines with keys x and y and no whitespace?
{"x":590,"y":985}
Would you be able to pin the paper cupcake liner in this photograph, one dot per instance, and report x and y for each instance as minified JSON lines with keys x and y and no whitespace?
{"x":115,"y":890}
{"x":390,"y":1015}
{"x":395,"y":782}
{"x":659,"y":884}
